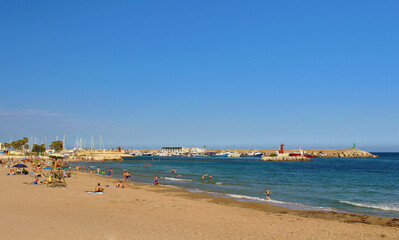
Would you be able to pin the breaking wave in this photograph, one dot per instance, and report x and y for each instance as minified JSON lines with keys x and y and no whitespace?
{"x":385,"y":207}
{"x":178,"y":179}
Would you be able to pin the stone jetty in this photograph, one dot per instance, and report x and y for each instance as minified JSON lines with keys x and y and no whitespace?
{"x":285,"y":159}
{"x":101,"y":156}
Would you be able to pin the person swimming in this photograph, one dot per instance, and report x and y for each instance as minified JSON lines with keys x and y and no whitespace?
{"x":210,"y":176}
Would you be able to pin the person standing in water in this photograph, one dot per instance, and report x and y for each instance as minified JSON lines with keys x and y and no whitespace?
{"x":268,"y":192}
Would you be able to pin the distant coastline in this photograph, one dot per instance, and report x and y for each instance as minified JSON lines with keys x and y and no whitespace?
{"x":325,"y":153}
{"x":267,"y":154}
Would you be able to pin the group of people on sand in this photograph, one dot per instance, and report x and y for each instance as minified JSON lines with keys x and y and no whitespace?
{"x":37,"y":165}
{"x":127,"y":177}
{"x":119,"y":184}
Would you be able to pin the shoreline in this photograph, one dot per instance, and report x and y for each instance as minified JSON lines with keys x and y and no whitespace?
{"x":176,"y":213}
{"x":195,"y":184}
{"x":382,"y":220}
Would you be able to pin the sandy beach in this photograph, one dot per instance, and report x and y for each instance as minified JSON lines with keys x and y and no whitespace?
{"x":143,"y":211}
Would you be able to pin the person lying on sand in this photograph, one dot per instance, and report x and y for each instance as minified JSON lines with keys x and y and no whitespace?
{"x":35,"y":182}
{"x":120,"y":185}
{"x":99,"y":188}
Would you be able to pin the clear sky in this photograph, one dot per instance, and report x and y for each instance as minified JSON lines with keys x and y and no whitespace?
{"x":245,"y":74}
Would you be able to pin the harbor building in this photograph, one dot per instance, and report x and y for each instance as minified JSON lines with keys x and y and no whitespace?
{"x":176,"y":150}
{"x":180,"y":151}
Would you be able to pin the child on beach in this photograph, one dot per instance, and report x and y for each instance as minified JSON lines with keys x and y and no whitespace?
{"x":156,"y":180}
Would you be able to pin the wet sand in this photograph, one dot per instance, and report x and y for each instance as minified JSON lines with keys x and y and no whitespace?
{"x":143,"y":211}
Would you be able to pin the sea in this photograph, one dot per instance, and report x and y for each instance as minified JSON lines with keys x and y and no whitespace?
{"x":352,"y":185}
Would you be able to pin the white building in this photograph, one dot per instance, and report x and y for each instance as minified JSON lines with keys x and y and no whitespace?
{"x":175,"y":150}
{"x":181,"y":150}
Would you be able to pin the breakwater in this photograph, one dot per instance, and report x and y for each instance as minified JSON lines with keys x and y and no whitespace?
{"x":268,"y":154}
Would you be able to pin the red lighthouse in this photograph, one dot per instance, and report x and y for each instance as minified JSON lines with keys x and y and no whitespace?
{"x":281,"y":149}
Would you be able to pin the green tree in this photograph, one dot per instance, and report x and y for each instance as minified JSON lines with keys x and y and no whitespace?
{"x":18,"y":145}
{"x":57,"y":145}
{"x":7,"y":145}
{"x":26,"y":147}
{"x":39,"y":149}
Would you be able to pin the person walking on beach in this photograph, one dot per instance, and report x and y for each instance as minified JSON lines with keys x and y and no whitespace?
{"x":268,"y":192}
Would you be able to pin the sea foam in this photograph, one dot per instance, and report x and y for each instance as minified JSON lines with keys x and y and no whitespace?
{"x":178,"y":179}
{"x":385,"y":206}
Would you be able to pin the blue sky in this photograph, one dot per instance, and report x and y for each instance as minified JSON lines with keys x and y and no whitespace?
{"x":245,"y":74}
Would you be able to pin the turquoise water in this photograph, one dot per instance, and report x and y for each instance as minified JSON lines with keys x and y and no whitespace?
{"x":366,"y":186}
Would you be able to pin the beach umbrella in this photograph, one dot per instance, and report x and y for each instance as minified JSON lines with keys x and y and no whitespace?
{"x":20,"y":166}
